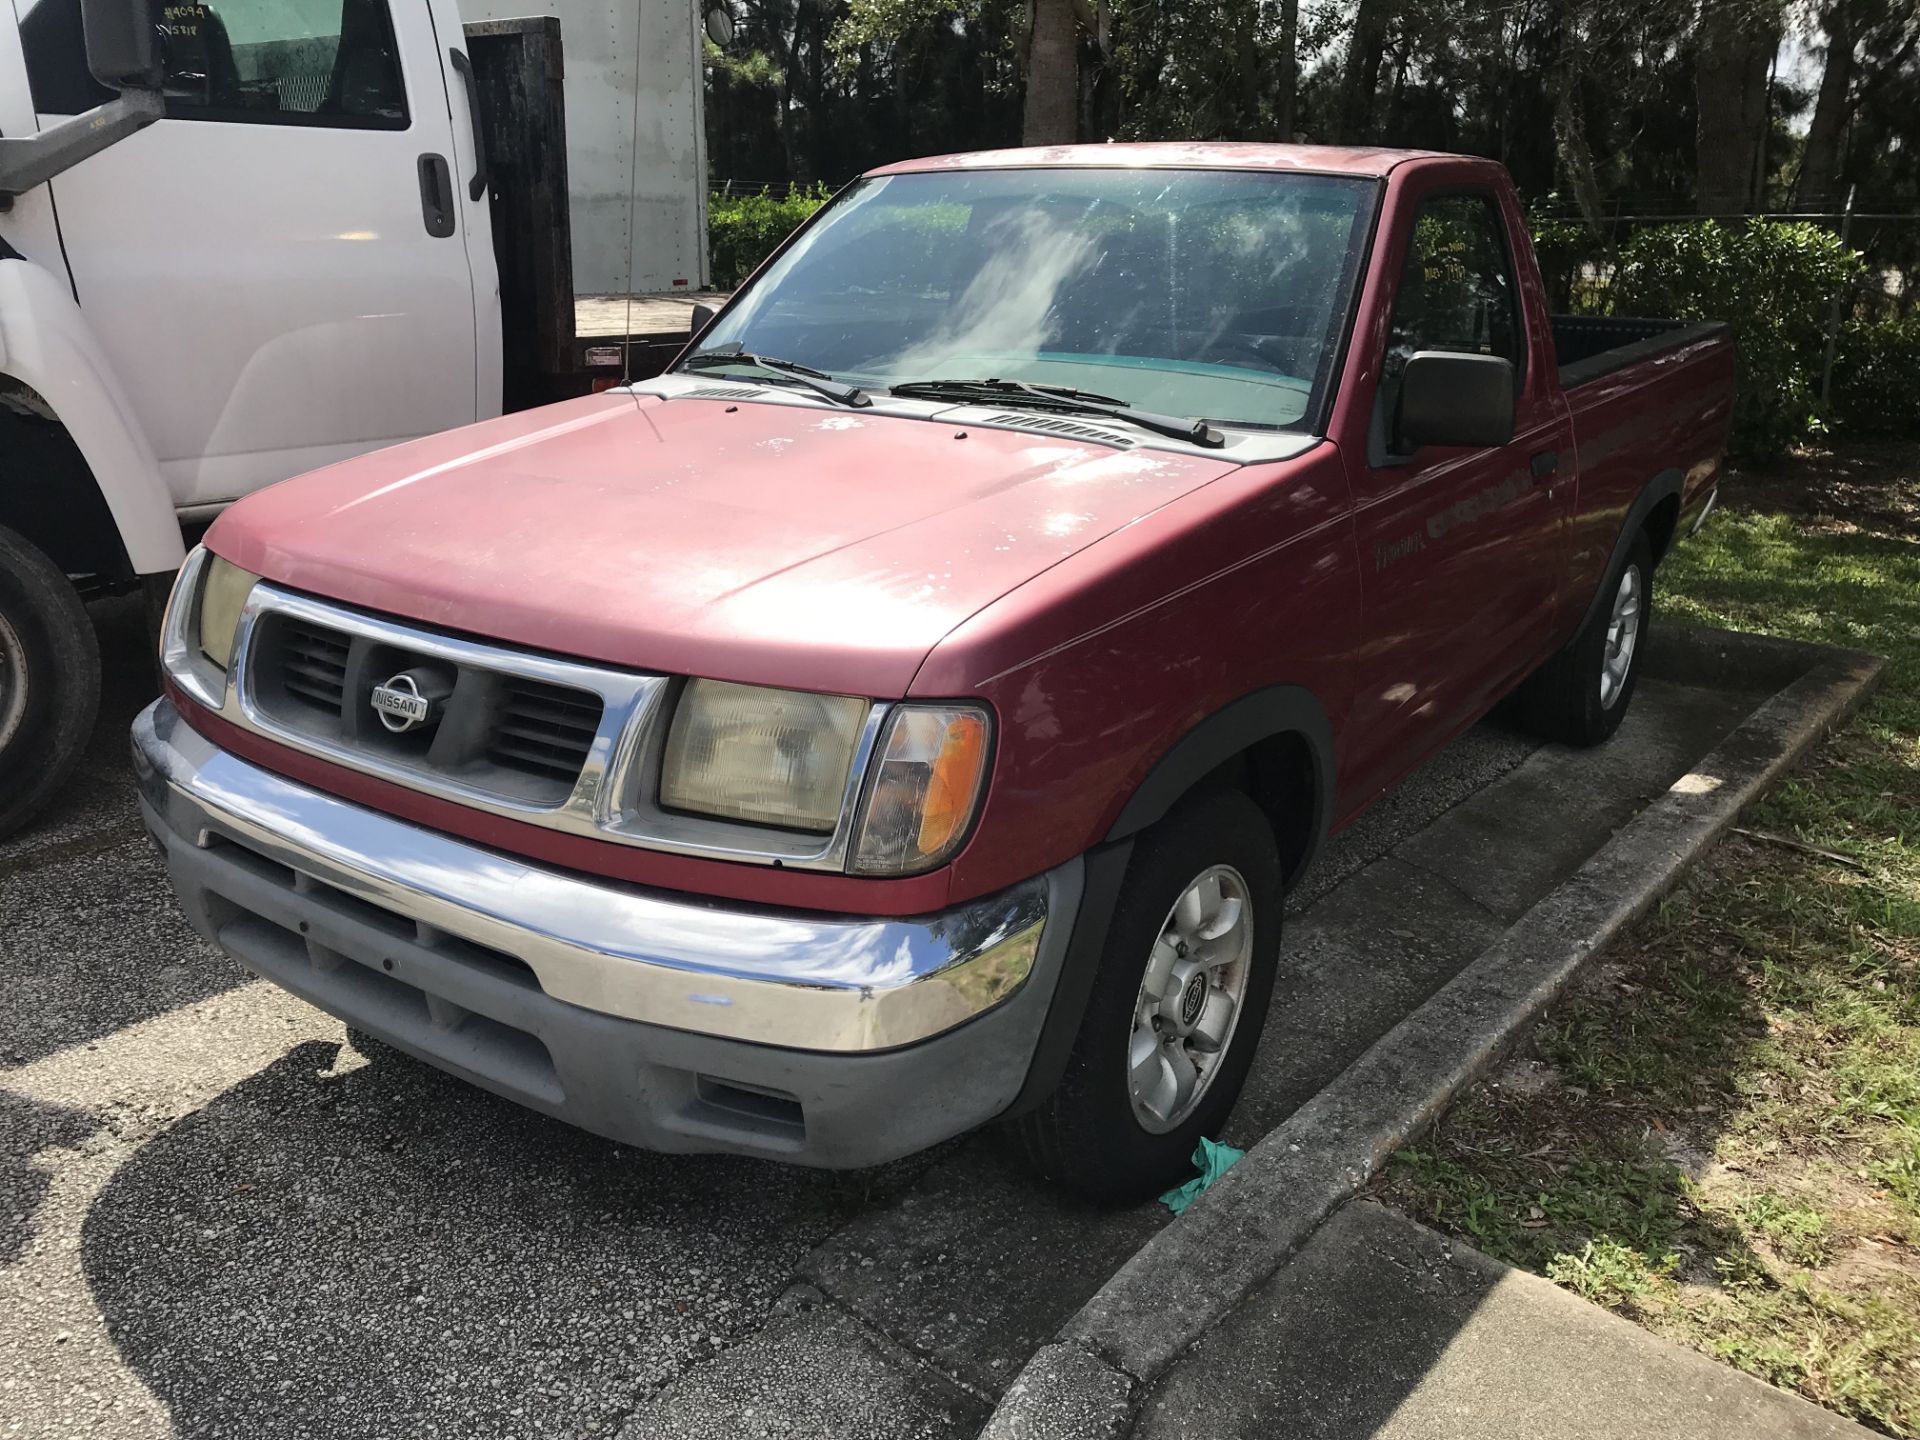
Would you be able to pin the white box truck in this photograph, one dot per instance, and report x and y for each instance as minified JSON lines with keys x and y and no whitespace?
{"x":241,"y":239}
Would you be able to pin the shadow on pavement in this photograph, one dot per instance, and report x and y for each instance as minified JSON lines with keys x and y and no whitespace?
{"x":339,"y":1248}
{"x":28,"y":1127}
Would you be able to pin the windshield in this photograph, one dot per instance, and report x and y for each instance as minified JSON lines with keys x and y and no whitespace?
{"x":1211,"y":294}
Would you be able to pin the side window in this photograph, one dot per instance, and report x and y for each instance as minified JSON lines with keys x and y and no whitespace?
{"x":287,"y":62}
{"x":1457,"y":292}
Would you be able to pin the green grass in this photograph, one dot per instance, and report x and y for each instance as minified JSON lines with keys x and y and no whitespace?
{"x":1720,"y":1134}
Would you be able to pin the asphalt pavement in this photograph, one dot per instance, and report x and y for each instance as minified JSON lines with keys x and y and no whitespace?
{"x":217,"y":1219}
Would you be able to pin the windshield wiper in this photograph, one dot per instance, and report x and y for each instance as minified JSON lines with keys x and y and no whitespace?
{"x":818,"y":381}
{"x":1065,"y":399}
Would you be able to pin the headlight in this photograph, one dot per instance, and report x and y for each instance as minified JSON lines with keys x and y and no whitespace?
{"x":924,"y":793}
{"x":223,"y":592}
{"x":766,"y":757}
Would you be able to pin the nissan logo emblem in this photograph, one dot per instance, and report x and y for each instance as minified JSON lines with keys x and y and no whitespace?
{"x":400,"y":705}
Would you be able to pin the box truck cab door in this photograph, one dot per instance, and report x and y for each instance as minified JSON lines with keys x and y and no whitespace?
{"x":276,"y":268}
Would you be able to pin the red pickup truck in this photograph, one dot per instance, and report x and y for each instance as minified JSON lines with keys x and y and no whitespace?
{"x":911,"y":709}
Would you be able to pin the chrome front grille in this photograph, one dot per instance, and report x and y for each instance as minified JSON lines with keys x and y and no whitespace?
{"x":513,"y":735}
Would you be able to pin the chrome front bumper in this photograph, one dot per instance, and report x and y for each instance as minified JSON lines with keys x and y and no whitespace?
{"x":625,"y":1011}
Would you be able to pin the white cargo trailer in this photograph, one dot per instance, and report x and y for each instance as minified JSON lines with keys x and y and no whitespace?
{"x":636,"y":139}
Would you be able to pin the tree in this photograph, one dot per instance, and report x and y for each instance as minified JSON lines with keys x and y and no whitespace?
{"x":1870,"y":43}
{"x":1287,"y":70}
{"x":1052,"y":112}
{"x":1569,"y":123}
{"x":1734,"y":52}
{"x":1616,"y":106}
{"x":1360,"y":76}
{"x":1820,"y":160}
{"x":1193,"y":69}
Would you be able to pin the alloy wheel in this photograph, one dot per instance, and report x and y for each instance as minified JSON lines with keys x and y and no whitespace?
{"x":13,"y":682}
{"x":1623,"y":634}
{"x":1190,"y":998}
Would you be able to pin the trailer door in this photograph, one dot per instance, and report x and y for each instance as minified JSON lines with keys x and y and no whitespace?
{"x":276,"y":268}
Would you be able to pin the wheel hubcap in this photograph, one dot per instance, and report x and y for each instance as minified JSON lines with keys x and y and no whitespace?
{"x":1190,"y":998}
{"x":13,"y":682}
{"x":1623,"y":633}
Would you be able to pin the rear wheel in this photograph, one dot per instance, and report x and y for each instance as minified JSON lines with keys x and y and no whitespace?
{"x":49,"y":680}
{"x":1581,"y":695}
{"x":1177,"y":1007}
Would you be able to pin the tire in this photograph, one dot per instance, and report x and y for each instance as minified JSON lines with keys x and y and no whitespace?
{"x":1580,"y":697}
{"x":1092,"y":1135}
{"x":49,"y":680}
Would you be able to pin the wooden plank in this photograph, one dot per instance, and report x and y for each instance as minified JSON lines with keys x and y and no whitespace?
{"x":612,"y":316}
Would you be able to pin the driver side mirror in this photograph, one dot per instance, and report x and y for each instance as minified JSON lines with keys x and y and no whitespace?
{"x":702,"y":318}
{"x":1451,"y":398}
{"x":123,"y":49}
{"x":123,"y":52}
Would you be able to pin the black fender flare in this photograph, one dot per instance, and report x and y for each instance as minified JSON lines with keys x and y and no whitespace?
{"x":1230,"y":731}
{"x":1664,"y":486}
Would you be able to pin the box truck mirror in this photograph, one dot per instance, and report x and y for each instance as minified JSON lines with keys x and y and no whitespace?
{"x":123,"y":46}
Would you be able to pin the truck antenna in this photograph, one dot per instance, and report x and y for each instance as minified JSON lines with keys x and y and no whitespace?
{"x":633,"y":170}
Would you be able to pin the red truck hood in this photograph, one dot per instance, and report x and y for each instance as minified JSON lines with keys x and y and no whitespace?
{"x":777,"y":544}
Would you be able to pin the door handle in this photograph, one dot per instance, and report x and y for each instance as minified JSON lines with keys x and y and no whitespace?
{"x":436,"y":196}
{"x":477,"y":186}
{"x":1544,"y":464}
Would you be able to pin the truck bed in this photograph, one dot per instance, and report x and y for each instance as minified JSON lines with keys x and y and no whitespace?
{"x":639,"y":317}
{"x":1590,"y":346}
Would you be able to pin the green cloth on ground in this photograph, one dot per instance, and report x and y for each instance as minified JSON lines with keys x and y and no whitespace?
{"x":1211,"y":1159}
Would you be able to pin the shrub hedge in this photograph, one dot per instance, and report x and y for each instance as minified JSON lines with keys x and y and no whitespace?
{"x":1773,"y":281}
{"x":1876,"y":379}
{"x":742,"y":230}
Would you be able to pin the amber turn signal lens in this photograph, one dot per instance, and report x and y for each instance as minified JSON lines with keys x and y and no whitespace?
{"x":954,"y":783}
{"x":932,"y":771}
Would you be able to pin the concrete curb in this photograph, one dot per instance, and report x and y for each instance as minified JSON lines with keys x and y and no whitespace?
{"x":1187,"y":1278}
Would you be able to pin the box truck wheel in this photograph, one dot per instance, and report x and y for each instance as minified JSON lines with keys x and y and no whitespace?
{"x":49,"y":680}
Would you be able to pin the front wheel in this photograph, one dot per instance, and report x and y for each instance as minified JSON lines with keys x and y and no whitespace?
{"x":49,"y":680}
{"x":1177,"y":1007}
{"x":1581,"y":695}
